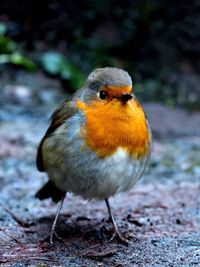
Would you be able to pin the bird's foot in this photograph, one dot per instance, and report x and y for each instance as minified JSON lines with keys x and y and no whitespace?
{"x":51,"y":239}
{"x":120,"y":238}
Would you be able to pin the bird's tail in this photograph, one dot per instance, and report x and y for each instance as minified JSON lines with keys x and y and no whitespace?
{"x":50,"y":190}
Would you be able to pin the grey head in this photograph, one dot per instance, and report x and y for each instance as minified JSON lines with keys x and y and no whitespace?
{"x":102,"y":77}
{"x":110,"y":76}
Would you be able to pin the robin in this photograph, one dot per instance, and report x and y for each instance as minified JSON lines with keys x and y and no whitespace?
{"x":97,"y":144}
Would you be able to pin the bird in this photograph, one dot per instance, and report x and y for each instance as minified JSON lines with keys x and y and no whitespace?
{"x":98,"y":143}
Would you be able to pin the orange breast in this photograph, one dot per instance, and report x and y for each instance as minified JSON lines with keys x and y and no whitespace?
{"x":110,"y":125}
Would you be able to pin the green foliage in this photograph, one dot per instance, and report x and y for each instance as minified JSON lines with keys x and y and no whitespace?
{"x":6,"y":44}
{"x":17,"y":59}
{"x":57,"y":65}
{"x":10,"y":53}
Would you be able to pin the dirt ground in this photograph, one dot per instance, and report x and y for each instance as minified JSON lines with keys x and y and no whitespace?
{"x":160,"y":216}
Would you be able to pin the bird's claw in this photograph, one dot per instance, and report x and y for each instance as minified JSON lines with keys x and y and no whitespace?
{"x":54,"y":234}
{"x":119,"y":237}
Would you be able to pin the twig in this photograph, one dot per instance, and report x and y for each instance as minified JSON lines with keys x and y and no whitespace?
{"x":17,"y":219}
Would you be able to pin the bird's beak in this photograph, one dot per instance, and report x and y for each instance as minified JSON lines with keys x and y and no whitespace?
{"x":124,"y":97}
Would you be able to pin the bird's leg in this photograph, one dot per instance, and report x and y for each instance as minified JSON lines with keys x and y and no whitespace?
{"x":55,"y":222}
{"x":116,"y":230}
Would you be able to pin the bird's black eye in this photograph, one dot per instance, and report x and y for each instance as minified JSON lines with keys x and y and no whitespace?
{"x":103,"y":95}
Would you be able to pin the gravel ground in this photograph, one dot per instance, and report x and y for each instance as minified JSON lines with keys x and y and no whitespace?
{"x":160,"y":216}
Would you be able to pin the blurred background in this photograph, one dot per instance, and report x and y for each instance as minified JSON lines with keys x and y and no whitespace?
{"x":47,"y":49}
{"x":157,"y":41}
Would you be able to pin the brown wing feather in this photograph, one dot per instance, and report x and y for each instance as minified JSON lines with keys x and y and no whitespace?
{"x":63,"y":112}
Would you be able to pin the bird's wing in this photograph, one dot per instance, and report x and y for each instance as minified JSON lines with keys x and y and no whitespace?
{"x":62,"y":113}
